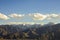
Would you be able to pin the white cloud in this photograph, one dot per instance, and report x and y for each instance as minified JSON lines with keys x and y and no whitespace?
{"x":3,"y":17}
{"x":38,"y":16}
{"x":16,"y":15}
{"x":50,"y":16}
{"x":35,"y":16}
{"x":54,"y":15}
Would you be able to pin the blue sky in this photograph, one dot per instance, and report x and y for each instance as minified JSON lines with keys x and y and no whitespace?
{"x":26,"y":7}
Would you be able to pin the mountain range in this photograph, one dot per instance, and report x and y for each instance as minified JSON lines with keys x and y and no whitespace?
{"x":48,"y":31}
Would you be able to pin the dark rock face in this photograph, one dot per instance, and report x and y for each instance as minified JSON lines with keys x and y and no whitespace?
{"x":45,"y":32}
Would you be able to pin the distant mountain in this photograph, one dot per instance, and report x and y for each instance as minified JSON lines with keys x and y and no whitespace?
{"x":48,"y":31}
